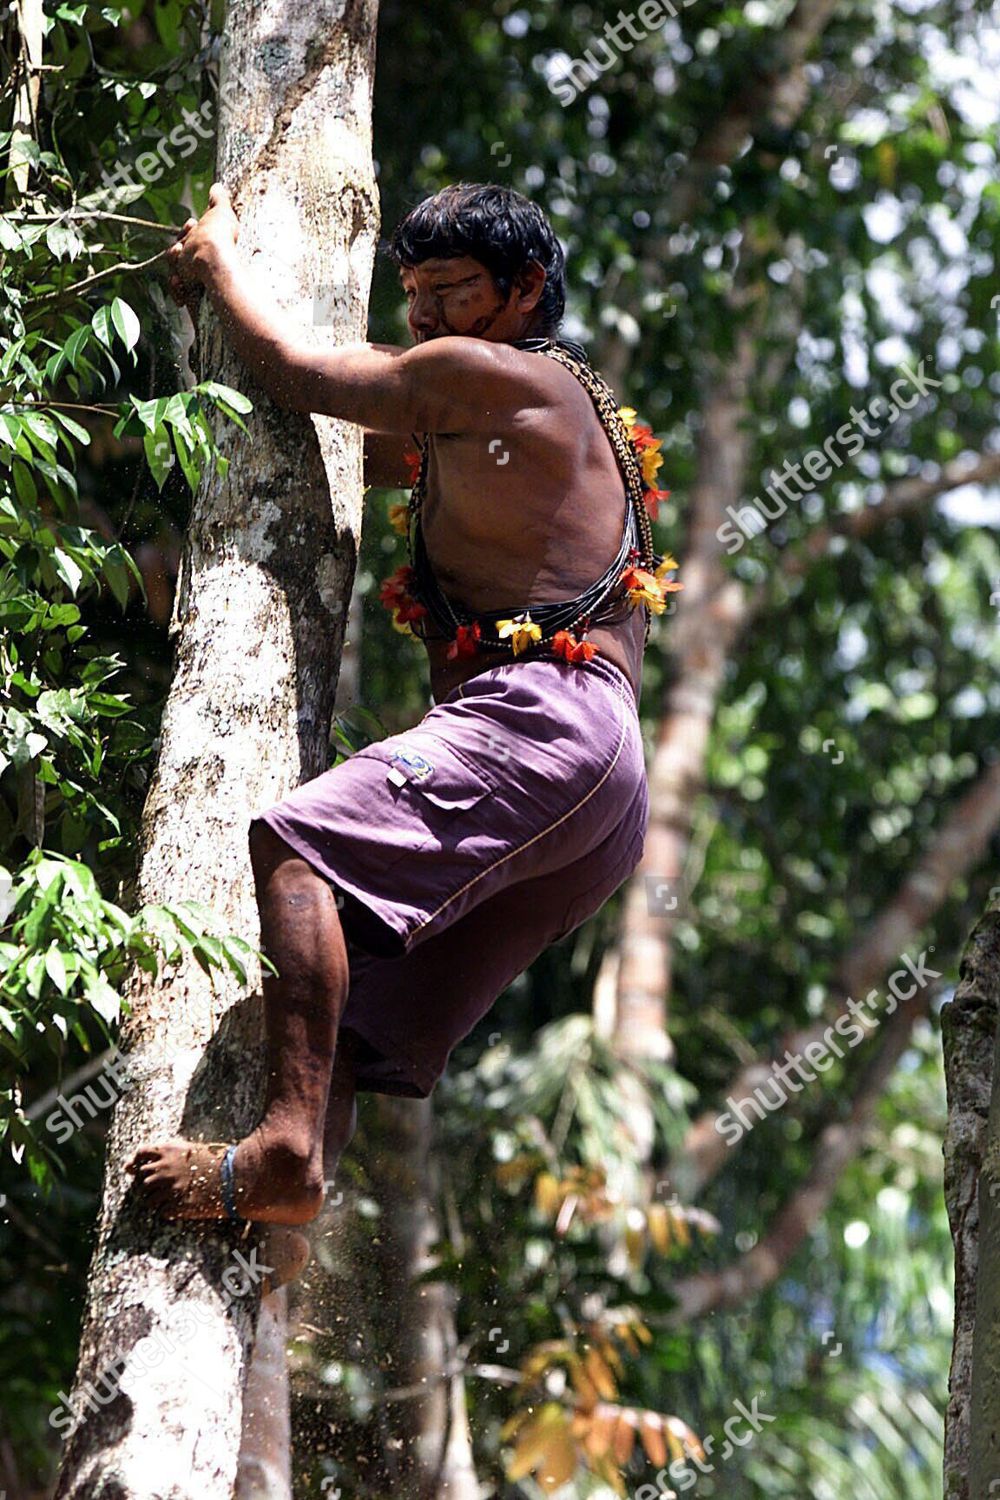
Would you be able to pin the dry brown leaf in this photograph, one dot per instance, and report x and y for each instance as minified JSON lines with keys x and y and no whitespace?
{"x":559,"y":1461}
{"x":651,"y":1433}
{"x":597,"y":1440}
{"x":635,"y":1244}
{"x":624,"y":1438}
{"x":600,"y":1373}
{"x":548,"y":1194}
{"x":534,"y":1440}
{"x":681,"y":1228}
{"x":582,"y":1382}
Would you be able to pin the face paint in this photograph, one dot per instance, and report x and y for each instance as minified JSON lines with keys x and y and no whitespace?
{"x":479,"y":326}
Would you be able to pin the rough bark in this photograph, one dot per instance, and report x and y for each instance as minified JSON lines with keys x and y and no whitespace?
{"x":265,"y":580}
{"x":969,"y":1033}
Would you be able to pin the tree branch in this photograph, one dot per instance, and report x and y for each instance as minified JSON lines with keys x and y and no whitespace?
{"x":776,"y":92}
{"x":956,"y":847}
{"x":904,"y":498}
{"x":838,"y":1144}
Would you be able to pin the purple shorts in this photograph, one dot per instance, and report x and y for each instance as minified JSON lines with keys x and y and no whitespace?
{"x":465,"y":846}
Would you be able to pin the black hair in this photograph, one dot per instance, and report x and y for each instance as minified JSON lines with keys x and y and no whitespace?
{"x":496,"y":226}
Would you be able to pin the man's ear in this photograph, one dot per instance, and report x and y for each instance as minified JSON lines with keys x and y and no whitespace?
{"x":529,"y":286}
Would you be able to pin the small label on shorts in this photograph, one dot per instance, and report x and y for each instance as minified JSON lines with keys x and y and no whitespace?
{"x":419,"y":767}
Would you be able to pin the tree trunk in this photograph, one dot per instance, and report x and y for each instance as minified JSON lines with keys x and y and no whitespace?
{"x":265,"y":1464}
{"x":433,"y":1426}
{"x":701,"y":634}
{"x":28,"y":37}
{"x":971,"y":1146}
{"x":265,"y":579}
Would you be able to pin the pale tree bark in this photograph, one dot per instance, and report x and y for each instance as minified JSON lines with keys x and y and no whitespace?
{"x":433,"y":1428}
{"x":28,"y":35}
{"x":265,"y":1464}
{"x":265,"y":580}
{"x":712,"y":609}
{"x":969,"y":1028}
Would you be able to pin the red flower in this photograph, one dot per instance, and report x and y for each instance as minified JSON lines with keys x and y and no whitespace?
{"x":409,"y":609}
{"x":394,"y":589}
{"x":465,"y":640}
{"x":412,"y":458}
{"x":565,"y":644}
{"x":653,"y":499}
{"x":642,"y":436}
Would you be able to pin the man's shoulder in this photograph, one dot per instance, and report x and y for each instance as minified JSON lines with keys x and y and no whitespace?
{"x":532,"y":374}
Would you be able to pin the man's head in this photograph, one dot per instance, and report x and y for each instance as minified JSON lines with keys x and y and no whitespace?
{"x":480,"y":260}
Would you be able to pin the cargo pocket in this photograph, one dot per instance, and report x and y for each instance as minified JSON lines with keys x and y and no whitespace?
{"x":422,"y":765}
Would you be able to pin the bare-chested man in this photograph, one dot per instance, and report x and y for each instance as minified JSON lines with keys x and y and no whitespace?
{"x":400,"y":892}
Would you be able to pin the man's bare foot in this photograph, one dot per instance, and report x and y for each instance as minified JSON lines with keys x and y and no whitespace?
{"x":272,"y":1182}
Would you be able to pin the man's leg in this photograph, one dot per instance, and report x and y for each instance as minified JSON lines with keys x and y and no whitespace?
{"x":278,"y":1170}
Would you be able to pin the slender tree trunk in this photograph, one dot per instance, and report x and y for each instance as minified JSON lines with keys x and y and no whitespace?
{"x":433,"y":1427}
{"x":265,"y":580}
{"x":971,"y":1174}
{"x":28,"y":37}
{"x":265,"y":1466}
{"x":702,"y":631}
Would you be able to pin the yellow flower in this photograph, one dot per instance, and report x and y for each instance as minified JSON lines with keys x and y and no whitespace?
{"x":644,"y":588}
{"x":628,"y":415}
{"x":666,"y":566}
{"x":399,"y":518}
{"x":652,"y":458}
{"x":522,"y":631}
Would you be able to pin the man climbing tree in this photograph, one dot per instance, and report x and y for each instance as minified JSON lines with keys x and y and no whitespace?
{"x":400,"y":892}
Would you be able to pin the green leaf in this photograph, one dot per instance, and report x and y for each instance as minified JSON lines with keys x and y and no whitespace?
{"x":80,"y":433}
{"x":24,"y":484}
{"x":126,"y":324}
{"x":159,"y":454}
{"x":188,"y":459}
{"x":101,"y":324}
{"x":10,"y":236}
{"x":116,"y":573}
{"x":225,"y":396}
{"x":69,"y":571}
{"x":56,"y":969}
{"x":64,"y":241}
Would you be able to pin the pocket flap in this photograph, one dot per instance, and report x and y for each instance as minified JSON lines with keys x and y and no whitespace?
{"x":430,"y":767}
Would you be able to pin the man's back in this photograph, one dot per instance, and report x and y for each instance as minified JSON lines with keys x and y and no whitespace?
{"x":529,"y":513}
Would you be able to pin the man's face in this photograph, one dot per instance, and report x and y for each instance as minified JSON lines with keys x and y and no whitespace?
{"x":457,"y":296}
